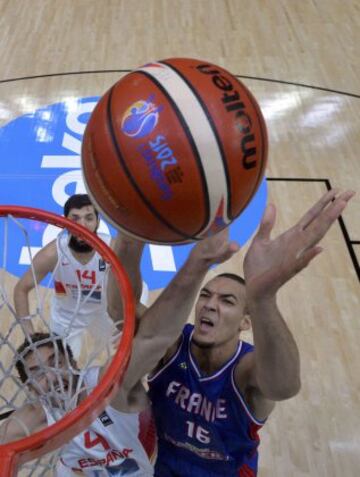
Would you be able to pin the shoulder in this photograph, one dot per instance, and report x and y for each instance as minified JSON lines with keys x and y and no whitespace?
{"x":170,"y":353}
{"x":49,"y":251}
{"x":246,"y":384}
{"x":243,"y":373}
{"x":47,"y":256}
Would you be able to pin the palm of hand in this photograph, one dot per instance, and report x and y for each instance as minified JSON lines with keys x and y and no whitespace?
{"x":269,"y":263}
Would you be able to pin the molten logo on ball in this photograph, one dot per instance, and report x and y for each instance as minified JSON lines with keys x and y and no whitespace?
{"x":140,"y":118}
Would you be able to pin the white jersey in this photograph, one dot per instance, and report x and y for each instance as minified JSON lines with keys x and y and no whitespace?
{"x":110,"y":446}
{"x":79,"y":290}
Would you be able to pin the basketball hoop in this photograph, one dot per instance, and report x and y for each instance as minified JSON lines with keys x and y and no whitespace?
{"x":16,"y":453}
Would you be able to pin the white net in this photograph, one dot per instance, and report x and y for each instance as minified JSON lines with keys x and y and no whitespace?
{"x":39,"y":371}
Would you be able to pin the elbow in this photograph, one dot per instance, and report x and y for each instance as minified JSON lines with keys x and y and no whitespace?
{"x":290,"y":391}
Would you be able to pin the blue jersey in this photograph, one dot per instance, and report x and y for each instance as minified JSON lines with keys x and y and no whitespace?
{"x":204,"y":426}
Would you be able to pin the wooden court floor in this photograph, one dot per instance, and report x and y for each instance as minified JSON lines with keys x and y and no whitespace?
{"x":302,"y":62}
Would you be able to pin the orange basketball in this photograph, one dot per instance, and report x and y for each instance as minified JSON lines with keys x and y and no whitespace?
{"x":174,"y":151}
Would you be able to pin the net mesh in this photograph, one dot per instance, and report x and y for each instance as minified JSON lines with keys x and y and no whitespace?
{"x":54,"y":384}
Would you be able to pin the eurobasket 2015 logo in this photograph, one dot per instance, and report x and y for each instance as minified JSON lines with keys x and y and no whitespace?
{"x":140,"y":118}
{"x":40,"y":167}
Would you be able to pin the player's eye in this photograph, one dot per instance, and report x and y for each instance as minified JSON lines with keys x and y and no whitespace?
{"x":204,"y":294}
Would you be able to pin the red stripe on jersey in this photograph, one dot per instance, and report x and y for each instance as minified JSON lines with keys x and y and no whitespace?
{"x":246,"y":471}
{"x":254,"y":429}
{"x":147,"y":432}
{"x":59,"y":288}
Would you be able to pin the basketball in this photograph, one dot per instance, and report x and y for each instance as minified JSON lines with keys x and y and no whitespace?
{"x":174,"y":151}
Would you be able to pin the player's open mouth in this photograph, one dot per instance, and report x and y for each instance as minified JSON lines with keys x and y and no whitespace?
{"x":205,"y":324}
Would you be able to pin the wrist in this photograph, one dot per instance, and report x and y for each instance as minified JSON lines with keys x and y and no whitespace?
{"x":25,"y":318}
{"x":192,"y":272}
{"x":125,"y":244}
{"x":254,"y":301}
{"x":198,"y":265}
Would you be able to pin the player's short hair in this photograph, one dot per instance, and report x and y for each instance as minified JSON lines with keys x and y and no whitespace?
{"x":36,"y":341}
{"x":232,"y":276}
{"x":78,"y":201}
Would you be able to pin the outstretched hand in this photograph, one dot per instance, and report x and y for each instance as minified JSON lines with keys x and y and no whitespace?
{"x":269,"y":263}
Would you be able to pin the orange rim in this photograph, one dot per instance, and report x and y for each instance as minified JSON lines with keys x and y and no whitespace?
{"x":18,"y":452}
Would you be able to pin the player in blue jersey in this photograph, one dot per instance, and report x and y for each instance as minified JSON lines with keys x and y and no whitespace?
{"x":211,"y":393}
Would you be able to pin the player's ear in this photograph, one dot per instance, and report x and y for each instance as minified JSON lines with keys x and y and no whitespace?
{"x":245,"y":322}
{"x":97,"y":222}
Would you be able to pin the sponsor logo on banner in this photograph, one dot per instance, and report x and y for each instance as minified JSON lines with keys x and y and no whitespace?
{"x":41,"y":167}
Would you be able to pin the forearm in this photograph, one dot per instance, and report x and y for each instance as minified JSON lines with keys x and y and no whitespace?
{"x":166,"y":317}
{"x":21,"y":302}
{"x":22,"y":309}
{"x":162,"y":323}
{"x":129,"y":253}
{"x":277,"y":361}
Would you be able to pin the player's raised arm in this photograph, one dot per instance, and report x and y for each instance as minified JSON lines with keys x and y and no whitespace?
{"x":44,"y":262}
{"x":270,"y":263}
{"x":129,"y":252}
{"x":162,"y":323}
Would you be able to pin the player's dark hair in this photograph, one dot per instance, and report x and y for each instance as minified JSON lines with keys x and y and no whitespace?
{"x":78,"y":201}
{"x":36,"y":341}
{"x":232,"y":276}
